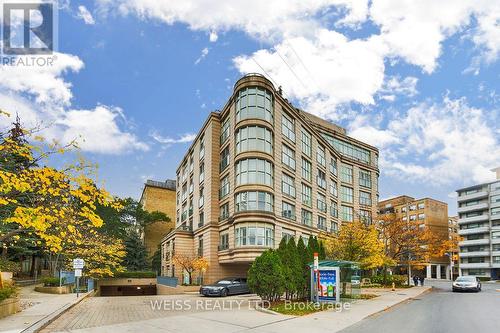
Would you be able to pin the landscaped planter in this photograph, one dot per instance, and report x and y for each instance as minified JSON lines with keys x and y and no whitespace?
{"x":54,"y":290}
{"x":6,"y":276}
{"x":9,"y":306}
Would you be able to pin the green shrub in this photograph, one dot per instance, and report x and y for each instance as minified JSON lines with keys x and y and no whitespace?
{"x":137,"y":274}
{"x":399,"y":280}
{"x":9,"y":266}
{"x":50,"y":281}
{"x":7,"y":291}
{"x":266,"y":277}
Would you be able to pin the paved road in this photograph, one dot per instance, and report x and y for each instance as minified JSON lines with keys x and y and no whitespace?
{"x":439,"y":311}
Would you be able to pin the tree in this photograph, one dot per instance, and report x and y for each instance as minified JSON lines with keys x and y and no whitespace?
{"x":356,"y":242}
{"x":190,"y":264}
{"x":54,"y":206}
{"x":156,"y":260}
{"x":290,"y":259}
{"x":266,"y":277}
{"x":136,"y":258}
{"x":408,"y":243}
{"x":304,"y":258}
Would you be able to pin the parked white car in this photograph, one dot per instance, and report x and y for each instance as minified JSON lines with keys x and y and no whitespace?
{"x":467,"y":283}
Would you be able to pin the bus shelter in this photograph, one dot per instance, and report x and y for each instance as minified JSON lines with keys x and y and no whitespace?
{"x":335,"y":279}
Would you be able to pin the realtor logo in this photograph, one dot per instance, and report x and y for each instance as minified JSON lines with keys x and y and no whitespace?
{"x":28,"y":28}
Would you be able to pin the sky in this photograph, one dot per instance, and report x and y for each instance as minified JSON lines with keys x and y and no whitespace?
{"x":134,"y":80}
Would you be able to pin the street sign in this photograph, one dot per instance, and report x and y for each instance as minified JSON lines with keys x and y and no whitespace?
{"x":78,"y":272}
{"x":78,"y":263}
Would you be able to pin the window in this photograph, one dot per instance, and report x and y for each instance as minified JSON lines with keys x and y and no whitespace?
{"x":334,"y":210}
{"x":348,"y":149}
{"x":347,"y":194}
{"x":200,"y":246}
{"x":333,"y":188}
{"x":288,"y":210}
{"x":288,"y":127}
{"x":365,"y":216}
{"x":365,"y":198}
{"x":421,"y":216}
{"x":333,"y":166}
{"x":201,"y":220}
{"x":403,"y":210}
{"x":288,"y":157}
{"x":288,"y":185}
{"x":224,"y":159}
{"x":347,"y":214}
{"x":413,"y":207}
{"x":224,"y":211}
{"x":321,"y":203}
{"x":254,"y":234}
{"x":421,"y":205}
{"x":335,"y":226}
{"x":346,"y":173}
{"x":321,"y":223}
{"x":202,"y":146}
{"x":365,"y":178}
{"x":306,"y":217}
{"x":191,"y":185}
{"x":495,"y":234}
{"x":224,"y":241}
{"x":306,"y":195}
{"x":254,"y":171}
{"x":321,"y":156}
{"x":254,"y":200}
{"x":495,"y":211}
{"x":202,"y":172}
{"x":413,"y":217}
{"x":306,"y":169}
{"x":254,"y":102}
{"x":224,"y":131}
{"x":306,"y":143}
{"x":201,"y":199}
{"x":287,"y":234}
{"x":254,"y":138}
{"x":321,"y":179}
{"x":404,"y":218}
{"x":191,"y":162}
{"x":224,"y":187}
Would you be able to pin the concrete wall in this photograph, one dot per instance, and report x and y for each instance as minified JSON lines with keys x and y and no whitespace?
{"x":9,"y":306}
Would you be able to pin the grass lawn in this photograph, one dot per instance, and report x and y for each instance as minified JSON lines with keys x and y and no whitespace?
{"x":360,"y":296}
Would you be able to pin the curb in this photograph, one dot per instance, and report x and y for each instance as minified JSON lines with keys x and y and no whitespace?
{"x":45,"y":321}
{"x":396,"y":304}
{"x":264,"y":310}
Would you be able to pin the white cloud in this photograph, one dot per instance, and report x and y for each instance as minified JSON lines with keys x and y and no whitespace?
{"x":213,"y":36}
{"x":437,"y":142}
{"x":202,"y":56}
{"x":85,"y":15}
{"x":184,"y":138}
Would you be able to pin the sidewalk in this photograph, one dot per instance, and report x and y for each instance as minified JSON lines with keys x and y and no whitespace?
{"x":236,"y":321}
{"x":43,"y":307}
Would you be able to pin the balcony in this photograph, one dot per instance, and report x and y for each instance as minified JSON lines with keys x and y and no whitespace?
{"x":474,"y":254}
{"x":480,"y":230}
{"x":475,"y":265}
{"x":495,"y":217}
{"x":473,"y":196}
{"x":479,"y":218}
{"x":471,"y":208}
{"x":482,"y":241}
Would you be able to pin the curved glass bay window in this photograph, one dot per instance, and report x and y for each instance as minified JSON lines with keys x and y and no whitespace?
{"x":254,"y":171}
{"x":254,"y":200}
{"x":254,"y":138}
{"x":254,"y":234}
{"x":254,"y":102}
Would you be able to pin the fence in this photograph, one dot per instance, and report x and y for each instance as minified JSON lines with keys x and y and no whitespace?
{"x":167,"y":281}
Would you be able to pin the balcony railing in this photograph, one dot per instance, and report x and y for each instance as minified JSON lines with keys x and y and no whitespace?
{"x":289,"y":216}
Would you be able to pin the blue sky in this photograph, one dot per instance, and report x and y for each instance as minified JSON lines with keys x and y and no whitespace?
{"x":135,"y":79}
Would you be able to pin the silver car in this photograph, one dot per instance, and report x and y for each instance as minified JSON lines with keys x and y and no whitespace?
{"x":467,"y":283}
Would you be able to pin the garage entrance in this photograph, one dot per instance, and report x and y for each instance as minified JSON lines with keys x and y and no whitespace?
{"x":137,"y":290}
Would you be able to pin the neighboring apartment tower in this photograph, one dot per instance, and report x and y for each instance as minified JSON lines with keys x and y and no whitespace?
{"x":158,"y":196}
{"x":479,"y":221}
{"x":454,"y":236}
{"x":261,"y":170}
{"x":429,"y":213}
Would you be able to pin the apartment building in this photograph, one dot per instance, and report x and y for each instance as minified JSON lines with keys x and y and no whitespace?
{"x":429,"y":213}
{"x":479,"y":222}
{"x":454,"y":236}
{"x":261,"y":170}
{"x":158,"y":196}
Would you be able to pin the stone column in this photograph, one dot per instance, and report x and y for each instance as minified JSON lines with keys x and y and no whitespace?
{"x":428,"y":271}
{"x":438,"y":271}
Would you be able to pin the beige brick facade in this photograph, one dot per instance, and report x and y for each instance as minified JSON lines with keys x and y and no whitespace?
{"x":262,"y":225}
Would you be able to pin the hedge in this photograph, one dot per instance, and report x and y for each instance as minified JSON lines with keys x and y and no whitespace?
{"x":7,"y":291}
{"x":137,"y":274}
{"x":399,"y":280}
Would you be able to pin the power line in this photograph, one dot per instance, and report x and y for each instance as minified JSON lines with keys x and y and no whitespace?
{"x":302,"y":63}
{"x":290,"y":68}
{"x":265,"y":72}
